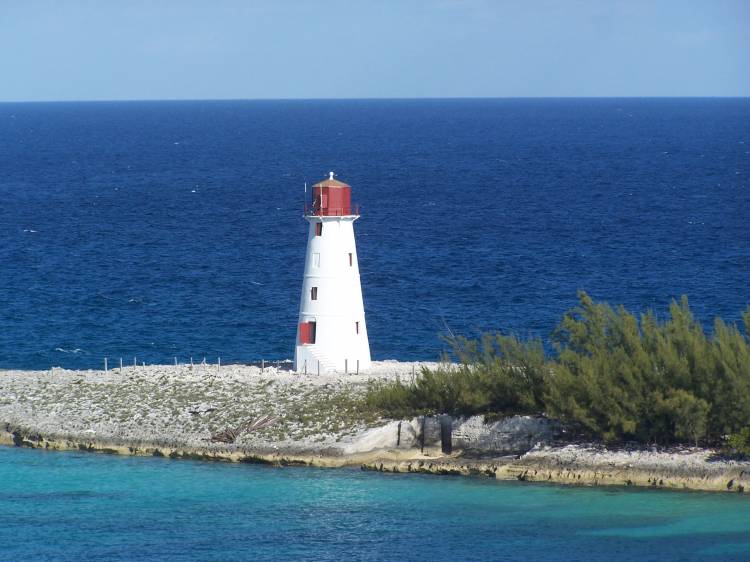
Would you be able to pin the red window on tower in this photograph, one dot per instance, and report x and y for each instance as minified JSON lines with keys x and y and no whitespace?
{"x":307,"y":332}
{"x":318,"y":229}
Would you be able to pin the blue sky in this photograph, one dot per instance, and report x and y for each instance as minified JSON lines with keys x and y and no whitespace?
{"x":230,"y":49}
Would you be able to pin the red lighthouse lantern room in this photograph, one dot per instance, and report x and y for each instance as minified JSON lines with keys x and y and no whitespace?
{"x":331,"y":198}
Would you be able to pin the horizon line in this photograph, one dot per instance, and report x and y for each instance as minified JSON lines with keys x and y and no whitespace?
{"x":386,"y":98}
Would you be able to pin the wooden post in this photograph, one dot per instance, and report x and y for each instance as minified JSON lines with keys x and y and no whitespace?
{"x":318,"y":367}
{"x":175,"y":361}
{"x":357,"y":366}
{"x":446,"y":434}
{"x":105,"y":364}
{"x":135,"y":362}
{"x":120,"y":365}
{"x":398,"y":436}
{"x":346,"y":366}
{"x":305,"y":366}
{"x":424,"y":419}
{"x":262,"y":365}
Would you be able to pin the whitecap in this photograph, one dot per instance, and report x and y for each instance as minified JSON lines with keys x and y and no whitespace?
{"x":63,"y":350}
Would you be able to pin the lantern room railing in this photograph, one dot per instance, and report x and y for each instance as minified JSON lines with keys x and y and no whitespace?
{"x":317,"y":211}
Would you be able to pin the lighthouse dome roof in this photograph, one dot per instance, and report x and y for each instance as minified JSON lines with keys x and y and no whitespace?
{"x":331,"y":182}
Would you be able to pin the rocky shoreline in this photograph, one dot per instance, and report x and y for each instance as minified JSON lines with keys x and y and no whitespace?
{"x":173,"y":411}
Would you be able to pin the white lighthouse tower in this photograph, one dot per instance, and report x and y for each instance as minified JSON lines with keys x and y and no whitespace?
{"x":331,"y":333}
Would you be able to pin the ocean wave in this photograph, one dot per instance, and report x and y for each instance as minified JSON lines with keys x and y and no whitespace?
{"x":63,"y":350}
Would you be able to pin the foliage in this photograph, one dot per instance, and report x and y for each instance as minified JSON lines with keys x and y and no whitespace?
{"x":617,"y":376}
{"x":498,"y":374}
{"x":740,"y":442}
{"x":626,"y":378}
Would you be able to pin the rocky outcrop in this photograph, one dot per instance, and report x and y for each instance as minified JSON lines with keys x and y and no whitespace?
{"x":474,"y":435}
{"x":173,"y":412}
{"x":393,"y":435}
{"x":511,"y":435}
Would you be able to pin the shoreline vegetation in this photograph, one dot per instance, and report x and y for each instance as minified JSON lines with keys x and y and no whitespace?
{"x":612,"y":376}
{"x":620,"y":401}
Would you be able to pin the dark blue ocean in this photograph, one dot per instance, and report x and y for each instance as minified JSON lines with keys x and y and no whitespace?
{"x":162,"y":229}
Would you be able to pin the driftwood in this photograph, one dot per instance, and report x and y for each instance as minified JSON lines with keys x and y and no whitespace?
{"x":231,"y":434}
{"x":197,"y":412}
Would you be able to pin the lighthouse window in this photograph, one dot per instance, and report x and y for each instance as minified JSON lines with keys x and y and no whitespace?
{"x":314,"y":294}
{"x":356,"y":327}
{"x":351,"y":259}
{"x":318,"y":229}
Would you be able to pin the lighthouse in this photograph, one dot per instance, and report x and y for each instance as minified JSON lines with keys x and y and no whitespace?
{"x":331,"y":331}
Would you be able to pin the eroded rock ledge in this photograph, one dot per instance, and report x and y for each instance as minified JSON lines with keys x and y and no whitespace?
{"x":686,"y":470}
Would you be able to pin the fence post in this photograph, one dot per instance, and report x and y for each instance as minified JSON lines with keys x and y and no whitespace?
{"x":305,"y":366}
{"x":398,"y":436}
{"x":135,"y":361}
{"x":346,"y":366}
{"x":262,"y":365}
{"x":357,"y":366}
{"x":318,"y":367}
{"x":105,"y":365}
{"x":120,"y":365}
{"x":175,"y":361}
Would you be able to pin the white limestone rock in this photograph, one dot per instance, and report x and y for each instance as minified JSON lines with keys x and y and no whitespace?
{"x":385,"y":437}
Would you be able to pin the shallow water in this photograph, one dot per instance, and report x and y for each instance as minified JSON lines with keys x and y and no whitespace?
{"x":82,"y":506}
{"x":174,"y":228}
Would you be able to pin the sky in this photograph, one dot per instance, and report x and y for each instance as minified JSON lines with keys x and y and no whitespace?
{"x":270,"y":49}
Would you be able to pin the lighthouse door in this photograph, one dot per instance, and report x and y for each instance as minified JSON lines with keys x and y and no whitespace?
{"x":307,"y":332}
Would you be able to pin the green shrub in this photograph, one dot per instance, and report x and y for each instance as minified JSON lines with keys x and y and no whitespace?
{"x":625,"y":378}
{"x":498,"y":374}
{"x":740,"y":442}
{"x":615,"y":375}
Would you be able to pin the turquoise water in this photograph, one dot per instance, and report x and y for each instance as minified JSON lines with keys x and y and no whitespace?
{"x":80,"y":506}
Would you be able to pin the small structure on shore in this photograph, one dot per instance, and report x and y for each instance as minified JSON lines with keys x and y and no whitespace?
{"x":331,"y":332}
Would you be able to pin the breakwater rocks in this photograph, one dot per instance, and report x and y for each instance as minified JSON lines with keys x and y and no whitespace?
{"x":176,"y":412}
